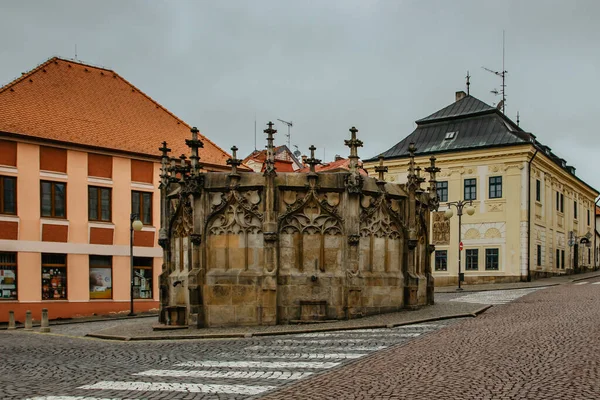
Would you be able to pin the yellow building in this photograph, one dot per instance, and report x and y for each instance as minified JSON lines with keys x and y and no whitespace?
{"x":532,"y":213}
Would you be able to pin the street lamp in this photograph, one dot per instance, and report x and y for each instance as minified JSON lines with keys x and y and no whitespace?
{"x":134,"y":225}
{"x":470,"y":210}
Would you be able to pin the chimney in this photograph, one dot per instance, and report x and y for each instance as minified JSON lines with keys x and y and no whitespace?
{"x":338,"y":157}
{"x":460,"y":95}
{"x":304,"y":157}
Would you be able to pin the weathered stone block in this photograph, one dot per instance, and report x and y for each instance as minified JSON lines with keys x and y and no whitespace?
{"x":243,"y":294}
{"x":221,"y":316}
{"x":218,"y":295}
{"x":246,"y":314}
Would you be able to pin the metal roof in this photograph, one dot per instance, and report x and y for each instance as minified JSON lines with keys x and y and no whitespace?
{"x":470,"y":132}
{"x":466,"y":106}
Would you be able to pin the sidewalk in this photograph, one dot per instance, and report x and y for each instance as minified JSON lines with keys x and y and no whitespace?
{"x":142,"y":329}
{"x":553,"y":281}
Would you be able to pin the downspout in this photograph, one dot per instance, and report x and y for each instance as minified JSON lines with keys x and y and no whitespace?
{"x":595,"y":234}
{"x":529,"y":216}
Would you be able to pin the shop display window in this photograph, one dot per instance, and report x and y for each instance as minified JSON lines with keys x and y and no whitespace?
{"x":142,"y":277}
{"x":100,"y":277}
{"x":54,"y":277}
{"x":8,"y":276}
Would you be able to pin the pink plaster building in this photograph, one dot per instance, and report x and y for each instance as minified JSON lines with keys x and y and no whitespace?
{"x":79,"y":154}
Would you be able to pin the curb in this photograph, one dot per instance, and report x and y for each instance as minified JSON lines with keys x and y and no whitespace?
{"x":585,"y":278}
{"x":285,"y":332}
{"x":511,"y":288}
{"x":73,"y":321}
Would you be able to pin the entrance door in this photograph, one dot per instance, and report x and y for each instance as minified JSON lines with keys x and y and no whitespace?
{"x":576,"y":258}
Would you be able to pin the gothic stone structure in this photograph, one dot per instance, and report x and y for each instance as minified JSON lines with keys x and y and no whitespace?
{"x":276,"y":248}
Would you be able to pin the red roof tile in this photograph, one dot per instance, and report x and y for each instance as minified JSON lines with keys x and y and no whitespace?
{"x":69,"y":101}
{"x":335,"y":166}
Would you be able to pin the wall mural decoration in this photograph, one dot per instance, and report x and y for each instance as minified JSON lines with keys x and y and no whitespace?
{"x":441,"y":229}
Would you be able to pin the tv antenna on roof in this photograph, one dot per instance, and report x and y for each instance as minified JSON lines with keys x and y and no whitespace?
{"x":289,"y":125}
{"x":502,"y":104}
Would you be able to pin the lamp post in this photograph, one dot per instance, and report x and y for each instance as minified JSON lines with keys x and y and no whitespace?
{"x":134,"y":225}
{"x":470,"y":210}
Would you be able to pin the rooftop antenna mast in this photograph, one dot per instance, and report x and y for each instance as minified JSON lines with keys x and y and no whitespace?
{"x":289,"y":125}
{"x":502,"y":104}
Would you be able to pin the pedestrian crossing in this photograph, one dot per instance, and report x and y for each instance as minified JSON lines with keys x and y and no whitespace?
{"x":495,"y":297}
{"x":253,"y":369}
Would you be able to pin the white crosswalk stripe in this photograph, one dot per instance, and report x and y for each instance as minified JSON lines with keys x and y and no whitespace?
{"x":323,"y":356}
{"x":283,"y":375}
{"x":495,"y":297}
{"x":288,"y":348}
{"x":325,"y":341}
{"x":580,"y":283}
{"x":368,"y":335}
{"x":595,"y":283}
{"x":178,"y":387}
{"x":260,"y":364}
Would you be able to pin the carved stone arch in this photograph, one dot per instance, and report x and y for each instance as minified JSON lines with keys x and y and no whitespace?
{"x":378,"y":219}
{"x":234,"y":214}
{"x":311,"y":215}
{"x":382,"y":234}
{"x":472,"y":234}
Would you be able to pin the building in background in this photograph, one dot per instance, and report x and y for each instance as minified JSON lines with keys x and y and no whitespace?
{"x":533,"y":214}
{"x":339,"y":164}
{"x":78,"y":154}
{"x":285,"y":160}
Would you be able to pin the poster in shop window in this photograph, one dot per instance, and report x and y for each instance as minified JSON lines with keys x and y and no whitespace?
{"x":100,"y":283}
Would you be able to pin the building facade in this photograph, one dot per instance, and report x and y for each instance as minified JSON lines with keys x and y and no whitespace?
{"x":533,"y":215}
{"x":77,"y":157}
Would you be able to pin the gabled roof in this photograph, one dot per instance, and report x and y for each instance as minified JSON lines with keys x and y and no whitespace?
{"x":466,"y":124}
{"x":282,"y":153}
{"x":68,"y":101}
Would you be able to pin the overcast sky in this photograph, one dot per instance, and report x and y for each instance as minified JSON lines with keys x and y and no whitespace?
{"x":329,"y":65}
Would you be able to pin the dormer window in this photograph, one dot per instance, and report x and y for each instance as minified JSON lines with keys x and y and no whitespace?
{"x":450,"y":135}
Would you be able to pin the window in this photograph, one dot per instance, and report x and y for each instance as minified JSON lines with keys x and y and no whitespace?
{"x":562,"y":202}
{"x":538,"y":190}
{"x":575,"y":210}
{"x":450,"y":135}
{"x":441,"y":260}
{"x":53,"y":199}
{"x":8,"y":195}
{"x":491,"y":259}
{"x":442,"y":191}
{"x":588,"y":217}
{"x":557,"y":258}
{"x":99,"y":203}
{"x":589,"y":256}
{"x":495,"y":187}
{"x":142,"y":277}
{"x":557,"y":201}
{"x":141,"y":204}
{"x":54,"y":277}
{"x":562,"y":259}
{"x":100,"y":277}
{"x":472,"y":260}
{"x":470,"y":189}
{"x":8,"y":276}
{"x":539,"y":255}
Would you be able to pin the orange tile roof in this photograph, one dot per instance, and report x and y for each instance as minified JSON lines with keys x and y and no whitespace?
{"x":335,"y":166}
{"x":72,"y":102}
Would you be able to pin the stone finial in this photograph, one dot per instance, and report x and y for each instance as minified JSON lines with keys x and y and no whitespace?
{"x":270,"y":160}
{"x":312,"y":161}
{"x":381,"y":169}
{"x":234,"y":161}
{"x":413,"y":178}
{"x":353,"y":144}
{"x":164,"y":160}
{"x":194,"y":144}
{"x":433,"y":197}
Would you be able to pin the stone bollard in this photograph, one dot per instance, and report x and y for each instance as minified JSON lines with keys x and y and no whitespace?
{"x":44,"y":327}
{"x":28,"y":322}
{"x":11,"y":320}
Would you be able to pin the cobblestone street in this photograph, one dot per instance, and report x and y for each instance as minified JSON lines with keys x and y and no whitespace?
{"x":535,"y":343}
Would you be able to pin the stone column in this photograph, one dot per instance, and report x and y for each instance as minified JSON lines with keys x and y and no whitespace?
{"x":28,"y":322}
{"x":44,"y":327}
{"x":269,"y":303}
{"x":11,"y":320}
